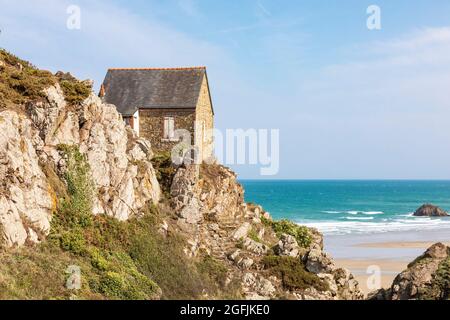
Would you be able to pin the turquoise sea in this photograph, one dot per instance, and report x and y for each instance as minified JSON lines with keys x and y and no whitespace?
{"x":352,"y":207}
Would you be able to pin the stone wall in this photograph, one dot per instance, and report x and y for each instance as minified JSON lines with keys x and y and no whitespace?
{"x":205,"y":122}
{"x":151,"y":122}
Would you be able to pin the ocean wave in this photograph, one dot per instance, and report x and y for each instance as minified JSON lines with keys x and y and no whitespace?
{"x":365,"y":212}
{"x":359,"y":218}
{"x":409,"y":214}
{"x":364,"y":227}
{"x":332,"y":212}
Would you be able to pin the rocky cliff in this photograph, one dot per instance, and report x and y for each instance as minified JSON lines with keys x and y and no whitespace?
{"x":32,"y":142}
{"x":426,"y":278}
{"x":78,"y":187}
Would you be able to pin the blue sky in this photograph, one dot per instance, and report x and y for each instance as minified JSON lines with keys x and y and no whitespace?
{"x":350,"y":103}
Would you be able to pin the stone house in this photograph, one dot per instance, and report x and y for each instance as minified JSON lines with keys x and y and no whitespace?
{"x":156,"y":102}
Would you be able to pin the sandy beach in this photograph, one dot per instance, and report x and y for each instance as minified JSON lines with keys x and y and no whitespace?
{"x":398,"y":245}
{"x":364,"y":271}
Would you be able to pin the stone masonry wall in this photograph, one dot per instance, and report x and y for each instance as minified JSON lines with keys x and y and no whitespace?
{"x":204,"y":114}
{"x":151,"y":123}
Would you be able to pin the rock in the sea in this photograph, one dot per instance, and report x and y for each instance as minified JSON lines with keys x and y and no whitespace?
{"x":429,"y":210}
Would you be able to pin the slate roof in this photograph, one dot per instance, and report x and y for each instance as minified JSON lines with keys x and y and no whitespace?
{"x":132,"y":89}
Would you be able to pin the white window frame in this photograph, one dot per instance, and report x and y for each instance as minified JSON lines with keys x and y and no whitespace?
{"x":169,"y":129}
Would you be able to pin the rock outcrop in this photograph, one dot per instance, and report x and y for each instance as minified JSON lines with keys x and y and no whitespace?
{"x":429,"y":210}
{"x":425,"y":278}
{"x":26,"y":201}
{"x":120,"y":164}
{"x":210,"y":209}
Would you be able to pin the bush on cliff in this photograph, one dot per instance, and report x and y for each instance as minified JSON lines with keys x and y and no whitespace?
{"x":75,"y":91}
{"x":165,"y":171}
{"x":300,"y":233}
{"x":293,"y":274}
{"x":22,"y":82}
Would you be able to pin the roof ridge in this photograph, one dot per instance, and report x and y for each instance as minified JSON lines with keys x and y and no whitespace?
{"x":162,"y":69}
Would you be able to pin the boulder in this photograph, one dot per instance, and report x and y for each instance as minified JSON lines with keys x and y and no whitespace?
{"x":242,"y":231}
{"x":429,"y":210}
{"x":287,"y":246}
{"x":319,"y":262}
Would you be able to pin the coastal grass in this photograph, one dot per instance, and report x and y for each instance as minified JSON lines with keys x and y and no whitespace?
{"x":293,"y":273}
{"x":75,"y":91}
{"x":128,"y":260}
{"x":22,"y":82}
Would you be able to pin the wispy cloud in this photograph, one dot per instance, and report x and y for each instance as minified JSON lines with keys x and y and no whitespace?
{"x":109,"y":36}
{"x":376,"y":113}
{"x":263,"y":11}
{"x":190,"y":8}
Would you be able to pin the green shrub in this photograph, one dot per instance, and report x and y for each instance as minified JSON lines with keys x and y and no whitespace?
{"x":76,"y":210}
{"x":97,"y":260}
{"x":300,"y":233}
{"x":20,"y":86}
{"x":75,"y":91}
{"x":165,"y":171}
{"x":73,"y":241}
{"x":254,"y":236}
{"x":293,"y":273}
{"x":112,"y":285}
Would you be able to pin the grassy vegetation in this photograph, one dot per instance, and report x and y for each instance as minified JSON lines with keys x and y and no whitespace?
{"x":118,"y":260}
{"x":165,"y":171}
{"x":253,"y":234}
{"x":74,"y":91}
{"x":300,"y":233}
{"x":293,"y":274}
{"x":20,"y":86}
{"x":21,"y":82}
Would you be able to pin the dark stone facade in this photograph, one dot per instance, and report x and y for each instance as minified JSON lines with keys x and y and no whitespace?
{"x":151,"y":123}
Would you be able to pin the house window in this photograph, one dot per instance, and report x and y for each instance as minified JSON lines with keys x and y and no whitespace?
{"x":169,"y":128}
